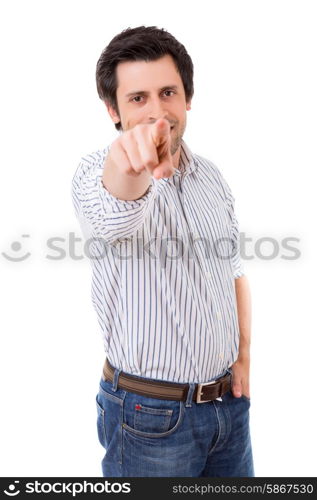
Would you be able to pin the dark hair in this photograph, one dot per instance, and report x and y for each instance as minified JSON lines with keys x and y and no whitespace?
{"x":140,"y":44}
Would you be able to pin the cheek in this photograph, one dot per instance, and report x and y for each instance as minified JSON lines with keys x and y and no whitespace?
{"x":129,"y":123}
{"x":181,"y":121}
{"x":133,"y":119}
{"x":181,"y":115}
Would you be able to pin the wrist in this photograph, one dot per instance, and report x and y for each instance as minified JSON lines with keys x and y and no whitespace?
{"x":244,"y":353}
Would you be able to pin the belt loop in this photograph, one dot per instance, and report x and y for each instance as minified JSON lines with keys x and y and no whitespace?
{"x":229,"y":370}
{"x":115,"y":379}
{"x":191,"y":389}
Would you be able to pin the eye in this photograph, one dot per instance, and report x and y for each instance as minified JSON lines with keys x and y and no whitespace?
{"x":137,"y":98}
{"x":170,"y":92}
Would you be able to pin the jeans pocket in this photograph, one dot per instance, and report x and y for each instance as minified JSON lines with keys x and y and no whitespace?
{"x":148,"y":417}
{"x":101,"y":430}
{"x":234,"y":398}
{"x":246,"y":398}
{"x":152,"y":419}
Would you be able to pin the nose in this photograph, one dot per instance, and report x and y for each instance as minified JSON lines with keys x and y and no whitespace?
{"x":156,"y":110}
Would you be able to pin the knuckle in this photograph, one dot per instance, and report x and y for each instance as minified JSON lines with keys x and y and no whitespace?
{"x":129,"y":169}
{"x":126,"y":137}
{"x":150,"y":163}
{"x":139,"y":126}
{"x":139,"y":129}
{"x":115,"y":146}
{"x":138,"y":168}
{"x":133,"y":173}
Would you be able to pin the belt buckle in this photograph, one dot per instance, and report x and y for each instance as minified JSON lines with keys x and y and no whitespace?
{"x":200,"y":391}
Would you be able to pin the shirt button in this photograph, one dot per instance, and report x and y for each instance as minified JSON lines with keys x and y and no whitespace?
{"x":208,"y":276}
{"x":218,"y":315}
{"x":195,"y":236}
{"x":221,"y":356}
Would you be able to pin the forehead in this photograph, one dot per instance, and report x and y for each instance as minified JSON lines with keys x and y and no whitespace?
{"x":143,"y":74}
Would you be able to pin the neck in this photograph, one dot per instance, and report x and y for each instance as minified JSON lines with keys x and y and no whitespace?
{"x":176,"y":157}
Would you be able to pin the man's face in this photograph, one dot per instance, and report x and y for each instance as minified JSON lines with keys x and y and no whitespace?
{"x":148,"y":91}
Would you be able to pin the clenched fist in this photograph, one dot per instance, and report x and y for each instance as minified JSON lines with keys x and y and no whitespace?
{"x":144,"y":147}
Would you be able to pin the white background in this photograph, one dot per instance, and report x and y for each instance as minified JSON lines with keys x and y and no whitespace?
{"x":253,"y":114}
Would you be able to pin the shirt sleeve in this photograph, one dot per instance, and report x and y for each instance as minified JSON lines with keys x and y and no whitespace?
{"x":100,"y":214}
{"x":238,"y":268}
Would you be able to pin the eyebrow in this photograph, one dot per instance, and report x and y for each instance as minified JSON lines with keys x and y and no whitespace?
{"x":144,"y":92}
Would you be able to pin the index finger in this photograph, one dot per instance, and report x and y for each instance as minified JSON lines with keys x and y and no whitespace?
{"x":160,"y":131}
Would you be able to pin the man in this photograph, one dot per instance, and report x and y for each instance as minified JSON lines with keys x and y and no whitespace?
{"x":168,"y":287}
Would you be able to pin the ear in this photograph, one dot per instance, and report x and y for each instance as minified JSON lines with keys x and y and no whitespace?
{"x":188,"y":105}
{"x":113,"y":114}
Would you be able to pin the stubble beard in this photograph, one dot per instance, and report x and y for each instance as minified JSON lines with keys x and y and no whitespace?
{"x":176,"y":141}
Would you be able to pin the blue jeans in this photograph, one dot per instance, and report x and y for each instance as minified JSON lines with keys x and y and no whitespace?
{"x":147,"y":437}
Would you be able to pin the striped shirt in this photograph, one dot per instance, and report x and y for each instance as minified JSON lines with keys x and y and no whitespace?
{"x":163,"y":269}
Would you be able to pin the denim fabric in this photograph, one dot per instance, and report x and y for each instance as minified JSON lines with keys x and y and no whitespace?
{"x":148,"y":437}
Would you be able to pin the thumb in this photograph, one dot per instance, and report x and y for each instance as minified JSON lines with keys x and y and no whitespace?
{"x":236,"y":388}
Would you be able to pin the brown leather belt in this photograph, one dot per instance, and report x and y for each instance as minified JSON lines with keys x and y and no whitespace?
{"x":169,"y":390}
